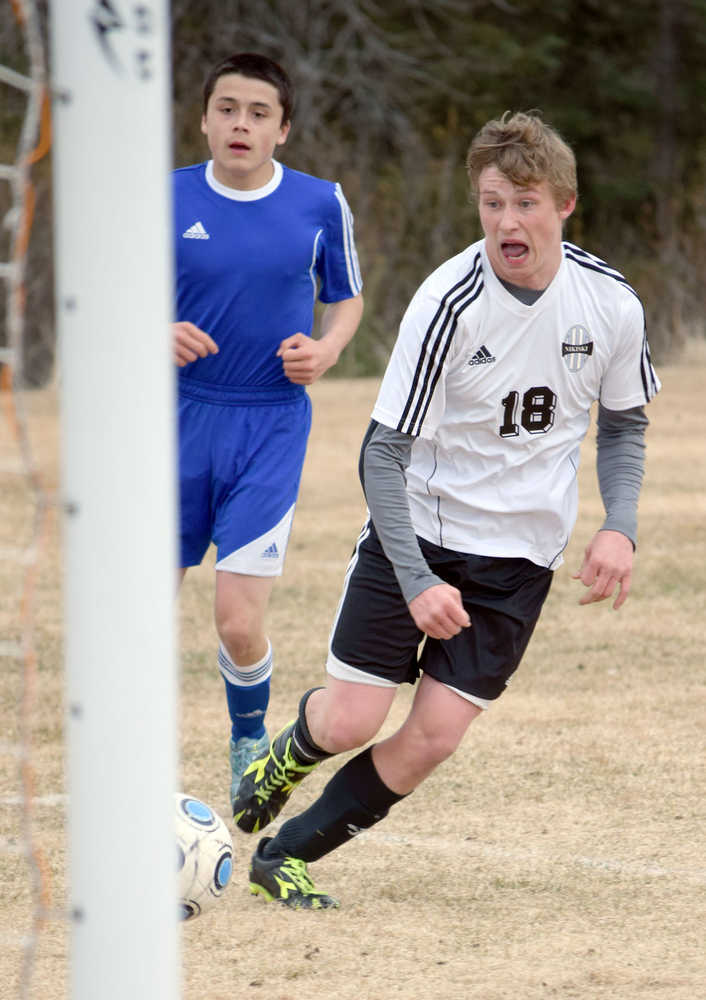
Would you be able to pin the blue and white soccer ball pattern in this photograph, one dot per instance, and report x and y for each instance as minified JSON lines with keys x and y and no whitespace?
{"x":204,"y":855}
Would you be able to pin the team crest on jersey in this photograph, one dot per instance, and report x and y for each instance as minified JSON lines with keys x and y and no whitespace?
{"x":576,"y":347}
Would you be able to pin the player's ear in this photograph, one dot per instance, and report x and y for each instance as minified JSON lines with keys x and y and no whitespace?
{"x":283,"y":133}
{"x":568,"y":207}
{"x":204,"y":129}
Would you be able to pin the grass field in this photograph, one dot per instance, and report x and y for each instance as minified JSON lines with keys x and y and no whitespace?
{"x":558,"y":854}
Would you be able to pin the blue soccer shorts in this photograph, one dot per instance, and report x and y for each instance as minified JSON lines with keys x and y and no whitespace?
{"x":374,"y":639}
{"x":240,"y":465}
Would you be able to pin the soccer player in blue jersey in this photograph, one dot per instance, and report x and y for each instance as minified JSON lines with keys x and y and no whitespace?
{"x":255,"y":244}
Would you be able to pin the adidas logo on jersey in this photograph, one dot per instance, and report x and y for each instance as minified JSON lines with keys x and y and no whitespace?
{"x":271,"y":552}
{"x":196,"y":232}
{"x":482,"y":357}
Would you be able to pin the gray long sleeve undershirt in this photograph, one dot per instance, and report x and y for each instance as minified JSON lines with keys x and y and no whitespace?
{"x":620,"y":463}
{"x":386,"y":454}
{"x":384,"y":458}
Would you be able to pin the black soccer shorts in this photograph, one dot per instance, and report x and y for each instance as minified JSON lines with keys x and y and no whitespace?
{"x":375,"y":633}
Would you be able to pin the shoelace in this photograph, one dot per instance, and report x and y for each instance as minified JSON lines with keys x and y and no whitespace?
{"x":295,"y":868}
{"x":281,"y":779}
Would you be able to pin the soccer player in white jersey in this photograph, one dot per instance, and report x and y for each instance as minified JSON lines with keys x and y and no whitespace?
{"x":256,"y":244}
{"x":469,"y":470}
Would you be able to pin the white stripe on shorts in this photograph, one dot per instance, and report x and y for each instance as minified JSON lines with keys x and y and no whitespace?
{"x":337,"y":668}
{"x":343,"y":672}
{"x":264,"y":556}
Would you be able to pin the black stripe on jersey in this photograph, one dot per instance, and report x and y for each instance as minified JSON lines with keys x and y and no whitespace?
{"x":435,"y":347}
{"x":587,"y":260}
{"x":649,"y":380}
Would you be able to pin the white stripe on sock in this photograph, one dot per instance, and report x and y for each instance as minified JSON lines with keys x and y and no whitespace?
{"x":245,"y":676}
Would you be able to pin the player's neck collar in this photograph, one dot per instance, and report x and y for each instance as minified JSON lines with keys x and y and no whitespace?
{"x":237,"y":195}
{"x":528,"y":296}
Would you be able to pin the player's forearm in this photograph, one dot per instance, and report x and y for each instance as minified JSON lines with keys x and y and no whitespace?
{"x":384,"y":459}
{"x":339,"y":323}
{"x":621,"y":464}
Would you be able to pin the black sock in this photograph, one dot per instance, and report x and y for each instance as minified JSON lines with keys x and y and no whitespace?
{"x":304,"y":749}
{"x":355,"y":799}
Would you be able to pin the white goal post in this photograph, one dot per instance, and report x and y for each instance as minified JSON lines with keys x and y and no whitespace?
{"x":112,"y":159}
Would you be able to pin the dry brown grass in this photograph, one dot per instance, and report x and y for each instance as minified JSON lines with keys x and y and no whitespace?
{"x":558,"y":854}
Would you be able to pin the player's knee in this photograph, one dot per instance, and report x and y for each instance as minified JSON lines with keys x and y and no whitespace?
{"x":240,"y":635}
{"x":340,"y":731}
{"x":432,"y":746}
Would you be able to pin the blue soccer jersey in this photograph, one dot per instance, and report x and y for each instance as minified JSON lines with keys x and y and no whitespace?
{"x":250,"y":265}
{"x":249,"y":268}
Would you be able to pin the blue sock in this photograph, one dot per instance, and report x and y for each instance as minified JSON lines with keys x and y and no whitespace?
{"x":247,"y":694}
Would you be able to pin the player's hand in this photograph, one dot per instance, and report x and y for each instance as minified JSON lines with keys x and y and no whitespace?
{"x":439,"y":611}
{"x":304,"y":359}
{"x":191,"y":343}
{"x":607,"y":563}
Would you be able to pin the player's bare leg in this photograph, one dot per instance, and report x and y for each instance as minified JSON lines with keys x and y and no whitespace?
{"x":240,"y":606}
{"x":345,"y":715}
{"x":431,"y":732}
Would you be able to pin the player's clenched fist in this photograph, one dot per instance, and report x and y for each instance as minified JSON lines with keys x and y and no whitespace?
{"x":305,"y":360}
{"x":439,"y":611}
{"x":191,"y":343}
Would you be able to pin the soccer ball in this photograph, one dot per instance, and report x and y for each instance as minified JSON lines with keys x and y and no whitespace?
{"x":204,"y":855}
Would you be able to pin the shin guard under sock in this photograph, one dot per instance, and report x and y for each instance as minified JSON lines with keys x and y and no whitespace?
{"x":355,"y":799}
{"x":304,"y":749}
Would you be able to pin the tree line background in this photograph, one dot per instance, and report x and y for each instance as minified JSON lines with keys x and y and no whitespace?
{"x":389,"y":95}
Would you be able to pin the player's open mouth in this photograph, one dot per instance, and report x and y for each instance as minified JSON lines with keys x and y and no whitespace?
{"x":514,"y":251}
{"x":239,"y":147}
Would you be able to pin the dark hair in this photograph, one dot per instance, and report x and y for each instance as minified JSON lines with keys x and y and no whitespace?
{"x":259,"y":68}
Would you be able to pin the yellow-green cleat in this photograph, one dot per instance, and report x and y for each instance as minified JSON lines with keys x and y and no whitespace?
{"x":267,"y":784}
{"x":285,"y":880}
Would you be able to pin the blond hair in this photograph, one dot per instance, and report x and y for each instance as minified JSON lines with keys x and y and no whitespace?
{"x":527,"y":151}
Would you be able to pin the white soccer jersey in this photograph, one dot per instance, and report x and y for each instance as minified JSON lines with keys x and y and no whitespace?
{"x":498,"y":395}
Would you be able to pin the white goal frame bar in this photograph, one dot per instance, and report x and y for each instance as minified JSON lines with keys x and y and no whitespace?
{"x":112,"y":160}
